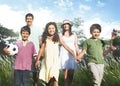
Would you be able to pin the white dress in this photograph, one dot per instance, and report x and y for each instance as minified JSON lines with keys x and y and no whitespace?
{"x":67,"y":61}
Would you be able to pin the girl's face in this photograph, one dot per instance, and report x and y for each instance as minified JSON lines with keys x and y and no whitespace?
{"x":25,"y":35}
{"x":95,"y":33}
{"x":66,"y":26}
{"x":51,"y":30}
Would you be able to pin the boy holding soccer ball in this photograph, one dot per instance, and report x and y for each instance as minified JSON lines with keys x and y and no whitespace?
{"x":23,"y":61}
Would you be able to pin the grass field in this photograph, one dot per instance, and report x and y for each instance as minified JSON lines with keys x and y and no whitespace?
{"x":81,"y":76}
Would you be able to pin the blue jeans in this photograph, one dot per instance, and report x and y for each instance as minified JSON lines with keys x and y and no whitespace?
{"x":21,"y":77}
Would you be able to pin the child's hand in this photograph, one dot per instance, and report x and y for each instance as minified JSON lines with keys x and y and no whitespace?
{"x":37,"y":63}
{"x":6,"y":51}
{"x":77,"y":58}
{"x":112,"y":47}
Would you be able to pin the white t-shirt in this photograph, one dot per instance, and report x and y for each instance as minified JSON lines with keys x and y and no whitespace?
{"x":35,"y":37}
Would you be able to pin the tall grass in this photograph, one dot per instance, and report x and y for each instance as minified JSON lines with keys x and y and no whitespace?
{"x":81,"y":76}
{"x":5,"y":70}
{"x":112,"y":73}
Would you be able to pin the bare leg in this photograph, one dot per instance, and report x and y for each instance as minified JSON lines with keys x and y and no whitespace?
{"x":68,"y":77}
{"x":35,"y":78}
{"x":56,"y":83}
{"x":65,"y":77}
{"x":52,"y":80}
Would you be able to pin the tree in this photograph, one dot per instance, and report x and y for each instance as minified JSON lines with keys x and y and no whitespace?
{"x":59,"y":26}
{"x":77,"y":22}
{"x":5,"y":33}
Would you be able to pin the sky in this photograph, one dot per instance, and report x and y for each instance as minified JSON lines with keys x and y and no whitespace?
{"x":104,"y":12}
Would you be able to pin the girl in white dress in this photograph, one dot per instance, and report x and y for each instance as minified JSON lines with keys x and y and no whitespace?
{"x":50,"y":66}
{"x":67,"y":62}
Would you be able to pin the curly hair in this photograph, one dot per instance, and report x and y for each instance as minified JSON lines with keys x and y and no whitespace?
{"x":46,"y":33}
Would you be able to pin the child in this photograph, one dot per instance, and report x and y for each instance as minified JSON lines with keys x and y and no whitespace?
{"x":23,"y":61}
{"x":67,"y":62}
{"x":50,"y":67}
{"x":93,"y":47}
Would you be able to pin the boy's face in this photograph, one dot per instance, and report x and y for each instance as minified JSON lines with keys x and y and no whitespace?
{"x":25,"y":35}
{"x":95,"y":33}
{"x":51,"y":30}
{"x":29,"y":20}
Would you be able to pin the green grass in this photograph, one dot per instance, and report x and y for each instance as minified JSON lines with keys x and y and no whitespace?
{"x":81,"y":76}
{"x":5,"y":70}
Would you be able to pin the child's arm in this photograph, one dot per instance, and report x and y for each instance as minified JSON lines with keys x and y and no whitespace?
{"x":76,"y":44}
{"x":105,"y":52}
{"x":81,"y":54}
{"x":112,"y":48}
{"x":40,"y":53}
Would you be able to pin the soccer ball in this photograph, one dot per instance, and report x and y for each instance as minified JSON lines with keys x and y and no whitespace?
{"x":13,"y":49}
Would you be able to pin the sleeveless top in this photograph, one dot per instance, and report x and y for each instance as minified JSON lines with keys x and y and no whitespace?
{"x":67,"y":61}
{"x":50,"y":63}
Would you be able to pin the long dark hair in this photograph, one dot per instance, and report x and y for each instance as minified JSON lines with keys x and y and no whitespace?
{"x":45,"y":33}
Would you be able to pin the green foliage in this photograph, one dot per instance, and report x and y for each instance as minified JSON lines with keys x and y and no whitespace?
{"x":82,"y":75}
{"x":77,"y":22}
{"x":5,"y":32}
{"x":61,"y":79}
{"x":5,"y":70}
{"x":59,"y":26}
{"x":112,"y":73}
{"x":116,"y":41}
